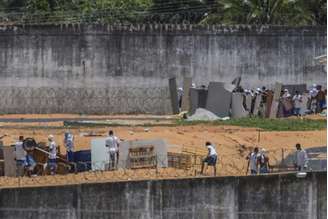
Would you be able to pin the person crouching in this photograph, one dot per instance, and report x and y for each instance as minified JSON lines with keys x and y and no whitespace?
{"x":211,"y":157}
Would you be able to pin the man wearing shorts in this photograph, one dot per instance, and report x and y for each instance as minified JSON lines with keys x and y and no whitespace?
{"x":211,"y":157}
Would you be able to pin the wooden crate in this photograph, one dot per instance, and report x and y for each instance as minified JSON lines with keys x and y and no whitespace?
{"x":142,"y":157}
{"x":179,"y":161}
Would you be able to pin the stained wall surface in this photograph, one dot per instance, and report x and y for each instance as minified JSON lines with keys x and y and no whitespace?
{"x":125,"y":69}
{"x":279,"y":196}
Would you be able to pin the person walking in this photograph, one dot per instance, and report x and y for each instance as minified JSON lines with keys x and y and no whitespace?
{"x":211,"y":157}
{"x":301,"y":158}
{"x":52,"y":154}
{"x":113,"y":143}
{"x":252,"y":161}
{"x":69,"y":145}
{"x":297,"y":99}
{"x":263,"y":161}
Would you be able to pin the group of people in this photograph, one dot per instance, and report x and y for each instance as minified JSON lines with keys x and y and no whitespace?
{"x":259,"y":162}
{"x":314,"y":100}
{"x":25,"y":160}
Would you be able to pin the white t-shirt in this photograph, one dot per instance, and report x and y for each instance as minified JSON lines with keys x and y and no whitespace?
{"x":69,"y":142}
{"x":297,"y":101}
{"x":20,"y":153}
{"x":212,"y":150}
{"x":253,"y":161}
{"x":52,"y":150}
{"x":112,"y":143}
{"x":301,"y":158}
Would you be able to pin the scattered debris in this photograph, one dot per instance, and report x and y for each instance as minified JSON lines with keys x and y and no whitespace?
{"x":205,"y":115}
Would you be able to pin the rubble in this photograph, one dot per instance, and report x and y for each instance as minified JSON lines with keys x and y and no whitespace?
{"x":205,"y":115}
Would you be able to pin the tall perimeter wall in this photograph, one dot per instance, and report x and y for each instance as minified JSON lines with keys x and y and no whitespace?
{"x":125,"y":69}
{"x":252,"y":197}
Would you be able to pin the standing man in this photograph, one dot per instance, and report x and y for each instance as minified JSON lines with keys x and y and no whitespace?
{"x":263,"y":161}
{"x":297,"y":99}
{"x":69,"y":145}
{"x":113,"y":143}
{"x":211,"y":157}
{"x":252,"y":161}
{"x":52,"y":154}
{"x":301,"y":158}
{"x":20,"y":156}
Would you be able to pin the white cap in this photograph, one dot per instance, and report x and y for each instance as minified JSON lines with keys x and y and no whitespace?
{"x":286,"y":90}
{"x":258,"y":89}
{"x":50,"y":137}
{"x":180,"y":88}
{"x":263,"y":150}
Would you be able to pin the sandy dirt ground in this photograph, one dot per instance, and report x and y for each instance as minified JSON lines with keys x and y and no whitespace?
{"x":232,"y":143}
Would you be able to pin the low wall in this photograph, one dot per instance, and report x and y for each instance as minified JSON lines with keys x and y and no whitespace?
{"x":271,"y":197}
{"x":125,"y":69}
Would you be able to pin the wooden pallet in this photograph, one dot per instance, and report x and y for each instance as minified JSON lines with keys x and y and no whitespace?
{"x":142,"y":157}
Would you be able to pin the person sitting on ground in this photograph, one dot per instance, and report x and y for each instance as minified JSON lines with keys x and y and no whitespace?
{"x":301,"y":158}
{"x":52,"y":154}
{"x":252,"y":161}
{"x":113,"y":143}
{"x":69,"y":144}
{"x":297,"y":99}
{"x":263,"y":161}
{"x":20,"y":156}
{"x":211,"y":157}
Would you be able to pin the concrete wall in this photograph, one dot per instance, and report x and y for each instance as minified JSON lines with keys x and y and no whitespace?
{"x":252,"y":197}
{"x":125,"y":69}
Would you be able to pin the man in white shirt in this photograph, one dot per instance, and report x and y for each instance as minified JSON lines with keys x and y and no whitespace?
{"x":253,"y":161}
{"x":211,"y":157}
{"x":113,"y":143}
{"x":52,"y":154}
{"x":301,"y":158}
{"x":20,"y":156}
{"x":297,"y":99}
{"x":69,"y":144}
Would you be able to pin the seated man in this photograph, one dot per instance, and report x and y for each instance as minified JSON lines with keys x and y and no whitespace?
{"x":211,"y":157}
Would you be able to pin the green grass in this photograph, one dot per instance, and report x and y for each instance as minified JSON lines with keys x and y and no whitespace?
{"x":267,"y":124}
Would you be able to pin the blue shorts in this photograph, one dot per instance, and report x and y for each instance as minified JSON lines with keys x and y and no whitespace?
{"x":211,"y":160}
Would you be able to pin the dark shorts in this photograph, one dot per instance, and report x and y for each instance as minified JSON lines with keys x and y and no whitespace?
{"x":210,"y":160}
{"x":253,"y":172}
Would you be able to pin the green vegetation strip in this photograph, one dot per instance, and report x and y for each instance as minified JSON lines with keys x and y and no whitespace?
{"x":267,"y":124}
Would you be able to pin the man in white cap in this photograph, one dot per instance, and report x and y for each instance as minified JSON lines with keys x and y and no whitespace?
{"x":52,"y":155}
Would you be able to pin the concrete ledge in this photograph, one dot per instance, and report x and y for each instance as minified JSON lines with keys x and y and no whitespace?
{"x":272,"y":196}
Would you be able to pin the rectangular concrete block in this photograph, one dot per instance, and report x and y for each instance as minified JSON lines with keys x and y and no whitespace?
{"x":198,"y":99}
{"x":219,"y":98}
{"x":275,"y":101}
{"x":269,"y":99}
{"x":159,"y":145}
{"x":174,"y":95}
{"x":248,"y":102}
{"x":99,"y":154}
{"x":187,"y":81}
{"x":256,"y":108}
{"x":237,"y":108}
{"x":9,"y":158}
